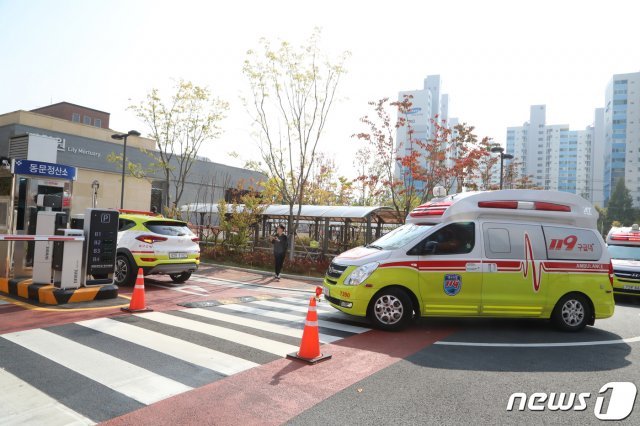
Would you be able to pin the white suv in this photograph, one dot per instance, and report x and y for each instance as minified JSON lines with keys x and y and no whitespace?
{"x":157,"y":245}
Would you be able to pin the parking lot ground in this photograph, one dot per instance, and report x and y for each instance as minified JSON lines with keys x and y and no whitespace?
{"x":439,"y":370}
{"x":469,"y":376}
{"x":161,"y":294}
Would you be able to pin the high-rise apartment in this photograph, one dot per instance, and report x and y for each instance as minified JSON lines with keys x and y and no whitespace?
{"x":622,"y":134}
{"x":427,"y":103}
{"x":555,"y":157}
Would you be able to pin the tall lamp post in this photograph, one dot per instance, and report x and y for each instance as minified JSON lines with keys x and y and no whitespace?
{"x":503,"y":157}
{"x":124,"y":136}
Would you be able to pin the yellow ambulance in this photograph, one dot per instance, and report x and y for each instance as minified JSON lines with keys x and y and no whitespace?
{"x":624,"y":249}
{"x":510,"y":253}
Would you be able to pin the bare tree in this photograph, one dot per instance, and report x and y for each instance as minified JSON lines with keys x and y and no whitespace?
{"x":291,"y":94}
{"x":180,"y":125}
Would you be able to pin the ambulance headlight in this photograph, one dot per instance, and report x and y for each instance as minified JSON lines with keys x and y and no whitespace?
{"x":361,"y":273}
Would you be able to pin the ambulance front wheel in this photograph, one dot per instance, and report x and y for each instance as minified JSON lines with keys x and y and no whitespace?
{"x":572,"y":312}
{"x":390,"y":309}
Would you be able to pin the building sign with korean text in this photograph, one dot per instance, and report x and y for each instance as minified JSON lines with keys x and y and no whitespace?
{"x":42,"y":169}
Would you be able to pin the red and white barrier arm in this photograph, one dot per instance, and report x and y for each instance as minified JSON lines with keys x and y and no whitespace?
{"x":11,"y":237}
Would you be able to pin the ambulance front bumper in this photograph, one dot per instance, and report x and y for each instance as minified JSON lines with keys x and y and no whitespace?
{"x":626,"y":282}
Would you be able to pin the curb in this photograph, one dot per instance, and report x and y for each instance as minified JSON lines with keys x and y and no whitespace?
{"x":47,"y":294}
{"x":265,"y":273}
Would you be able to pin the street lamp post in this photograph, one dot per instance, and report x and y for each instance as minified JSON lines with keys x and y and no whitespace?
{"x":503,"y":157}
{"x":124,"y":136}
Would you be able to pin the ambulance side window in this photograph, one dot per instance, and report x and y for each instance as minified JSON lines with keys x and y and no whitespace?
{"x":507,"y":241}
{"x":457,"y":238}
{"x":498,"y":241}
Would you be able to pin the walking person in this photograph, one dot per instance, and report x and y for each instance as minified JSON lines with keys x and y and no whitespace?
{"x":280,"y":243}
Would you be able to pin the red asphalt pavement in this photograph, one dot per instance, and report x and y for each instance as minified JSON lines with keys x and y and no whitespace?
{"x":158,"y":296}
{"x":273,"y":393}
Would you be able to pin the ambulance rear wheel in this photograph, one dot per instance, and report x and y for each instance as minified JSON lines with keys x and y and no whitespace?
{"x":124,"y":273}
{"x":390,"y":309}
{"x":572,"y":312}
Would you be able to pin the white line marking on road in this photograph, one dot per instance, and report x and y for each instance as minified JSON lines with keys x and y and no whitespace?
{"x":249,"y":286}
{"x":294,"y":318}
{"x":23,"y":404}
{"x":266,"y":345}
{"x":260,"y":325}
{"x":181,"y":349}
{"x":298,"y":307}
{"x":135,"y":382}
{"x":541,"y":345}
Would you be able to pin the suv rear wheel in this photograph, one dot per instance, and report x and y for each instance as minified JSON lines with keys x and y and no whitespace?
{"x":124,"y":273}
{"x":180,"y":278}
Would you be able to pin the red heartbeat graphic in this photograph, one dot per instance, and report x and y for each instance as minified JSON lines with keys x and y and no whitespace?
{"x":530,"y":262}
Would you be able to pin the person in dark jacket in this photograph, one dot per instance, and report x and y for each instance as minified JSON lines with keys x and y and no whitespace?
{"x":280,"y":243}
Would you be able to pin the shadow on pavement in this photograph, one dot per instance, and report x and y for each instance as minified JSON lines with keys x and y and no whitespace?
{"x":582,"y":358}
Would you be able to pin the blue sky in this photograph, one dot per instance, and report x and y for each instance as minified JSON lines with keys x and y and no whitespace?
{"x":495,"y":58}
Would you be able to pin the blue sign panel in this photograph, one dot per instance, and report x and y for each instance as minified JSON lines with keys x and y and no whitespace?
{"x":42,"y":169}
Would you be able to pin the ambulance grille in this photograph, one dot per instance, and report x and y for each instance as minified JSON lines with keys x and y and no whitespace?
{"x":628,"y":276}
{"x":335,"y":270}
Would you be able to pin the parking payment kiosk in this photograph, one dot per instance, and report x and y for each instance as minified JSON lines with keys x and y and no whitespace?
{"x":37,"y":186}
{"x":48,"y":222}
{"x":101,"y":239}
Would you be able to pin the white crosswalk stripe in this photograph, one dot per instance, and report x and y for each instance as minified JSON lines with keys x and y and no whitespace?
{"x":22,"y":404}
{"x":239,"y":337}
{"x":259,"y":325}
{"x":199,"y":341}
{"x":187,"y":351}
{"x":291,"y":317}
{"x":278,"y":305}
{"x":321,"y":305}
{"x":128,"y":379}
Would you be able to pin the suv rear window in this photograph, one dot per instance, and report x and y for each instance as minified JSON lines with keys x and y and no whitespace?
{"x":171,"y":228}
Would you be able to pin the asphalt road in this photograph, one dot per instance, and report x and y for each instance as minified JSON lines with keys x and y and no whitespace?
{"x":451,"y":384}
{"x":439,"y":371}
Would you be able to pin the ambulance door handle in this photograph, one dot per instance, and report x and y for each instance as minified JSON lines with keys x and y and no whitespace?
{"x":490,"y":267}
{"x":474,"y":267}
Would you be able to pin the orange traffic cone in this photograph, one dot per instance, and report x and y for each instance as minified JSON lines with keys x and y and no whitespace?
{"x":310,"y":344}
{"x":137,"y":300}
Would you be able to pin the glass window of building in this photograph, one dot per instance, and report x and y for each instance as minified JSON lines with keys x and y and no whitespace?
{"x":86,"y":119}
{"x":97,"y":122}
{"x":75,"y":117}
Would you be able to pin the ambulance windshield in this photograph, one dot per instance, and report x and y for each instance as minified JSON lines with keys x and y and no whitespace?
{"x":399,"y":237}
{"x":624,"y":252}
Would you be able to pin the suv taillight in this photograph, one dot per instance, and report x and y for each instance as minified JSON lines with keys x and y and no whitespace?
{"x":150,"y":239}
{"x":195,"y":240}
{"x":610,"y":272}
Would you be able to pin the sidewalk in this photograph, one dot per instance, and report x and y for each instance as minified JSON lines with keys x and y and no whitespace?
{"x":259,"y":278}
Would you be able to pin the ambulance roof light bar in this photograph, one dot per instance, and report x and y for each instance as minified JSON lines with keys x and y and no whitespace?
{"x":625,"y":237}
{"x":525,"y":205}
